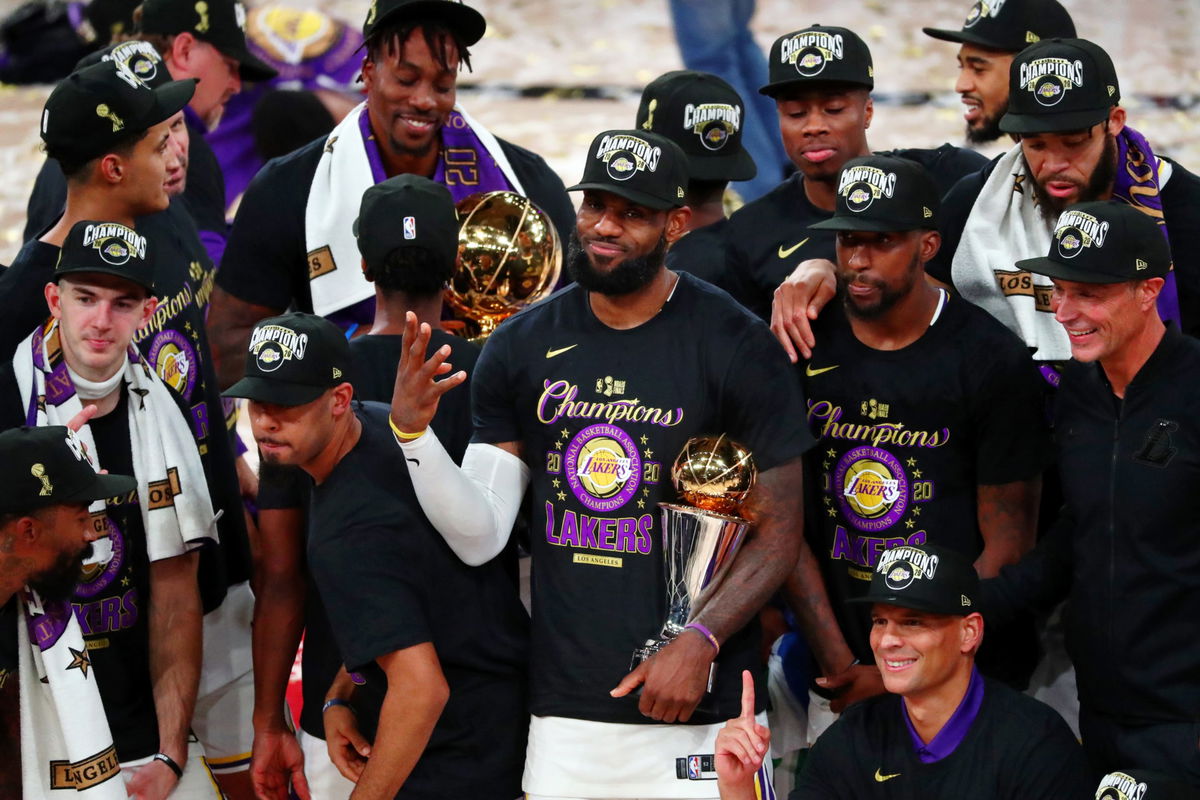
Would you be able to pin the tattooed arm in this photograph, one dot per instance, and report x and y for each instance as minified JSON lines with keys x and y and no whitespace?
{"x":676,"y":678}
{"x":1008,"y":514}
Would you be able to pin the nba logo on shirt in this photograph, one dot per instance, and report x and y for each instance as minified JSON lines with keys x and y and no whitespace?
{"x":410,"y":227}
{"x":694,"y":768}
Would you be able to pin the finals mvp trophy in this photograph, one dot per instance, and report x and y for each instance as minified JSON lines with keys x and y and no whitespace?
{"x":713,"y":475}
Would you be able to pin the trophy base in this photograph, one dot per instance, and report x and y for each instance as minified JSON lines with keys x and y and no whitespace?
{"x":651,"y":648}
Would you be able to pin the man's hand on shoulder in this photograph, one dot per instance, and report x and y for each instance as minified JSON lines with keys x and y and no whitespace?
{"x":674,"y":680}
{"x":798,"y":301}
{"x":856,"y":682}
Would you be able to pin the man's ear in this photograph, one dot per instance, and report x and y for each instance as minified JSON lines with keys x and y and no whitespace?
{"x":343,"y":393}
{"x":972,"y":633}
{"x":53,"y":299}
{"x":677,"y":223}
{"x":868,"y":111}
{"x":1116,"y":120}
{"x":931,"y":242}
{"x":1148,"y":291}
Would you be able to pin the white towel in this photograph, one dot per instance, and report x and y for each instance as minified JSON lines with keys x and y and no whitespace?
{"x":343,"y":174}
{"x":1005,"y":226}
{"x":173,"y":496}
{"x":65,"y":739}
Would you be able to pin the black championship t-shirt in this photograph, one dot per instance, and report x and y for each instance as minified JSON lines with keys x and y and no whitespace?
{"x":175,"y":343}
{"x":390,"y":582}
{"x":601,"y":415}
{"x":1181,"y":211}
{"x":266,"y":262}
{"x":702,"y":253}
{"x":904,"y":439}
{"x":769,"y":237}
{"x":1016,"y":749}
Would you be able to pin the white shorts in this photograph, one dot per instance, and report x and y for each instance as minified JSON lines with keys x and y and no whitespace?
{"x":574,"y":758}
{"x":324,"y":780}
{"x":197,"y":782}
{"x":225,"y":705}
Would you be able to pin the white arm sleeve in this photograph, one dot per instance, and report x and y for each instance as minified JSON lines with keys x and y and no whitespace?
{"x":472,"y":507}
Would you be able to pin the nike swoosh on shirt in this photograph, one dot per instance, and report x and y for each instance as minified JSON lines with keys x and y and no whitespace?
{"x":416,"y":461}
{"x":552,"y":353}
{"x":812,"y":373}
{"x":880,"y":778}
{"x":785,"y":252}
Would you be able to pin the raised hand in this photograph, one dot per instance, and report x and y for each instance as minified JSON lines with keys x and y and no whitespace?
{"x":741,"y":747}
{"x":416,"y":394}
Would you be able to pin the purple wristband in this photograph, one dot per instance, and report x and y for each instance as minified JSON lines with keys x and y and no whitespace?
{"x":706,"y":633}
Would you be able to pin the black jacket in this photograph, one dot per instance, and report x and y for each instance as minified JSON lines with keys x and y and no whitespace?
{"x":1126,"y":551}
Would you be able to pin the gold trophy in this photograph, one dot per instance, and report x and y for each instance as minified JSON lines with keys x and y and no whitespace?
{"x":509,"y":257}
{"x":713,"y":474}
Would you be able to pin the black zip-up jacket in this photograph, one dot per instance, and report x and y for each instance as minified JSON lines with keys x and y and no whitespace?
{"x":1126,"y":551}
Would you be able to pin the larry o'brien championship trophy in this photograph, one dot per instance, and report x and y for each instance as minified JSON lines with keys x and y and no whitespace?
{"x":508,"y":258}
{"x":713,"y":475}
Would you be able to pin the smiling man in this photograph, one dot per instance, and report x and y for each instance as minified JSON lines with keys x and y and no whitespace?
{"x":821,"y":80}
{"x":908,"y":453}
{"x":1123,"y":549}
{"x":626,"y":365}
{"x":991,"y":35}
{"x":292,"y":242}
{"x":942,"y":730}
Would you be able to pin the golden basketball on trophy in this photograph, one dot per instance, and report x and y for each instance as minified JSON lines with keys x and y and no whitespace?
{"x":714,"y":473}
{"x":509,"y":257}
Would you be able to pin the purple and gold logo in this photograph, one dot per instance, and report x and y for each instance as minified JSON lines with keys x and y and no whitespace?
{"x":603,"y":467}
{"x":174,"y":359}
{"x":871,"y":488}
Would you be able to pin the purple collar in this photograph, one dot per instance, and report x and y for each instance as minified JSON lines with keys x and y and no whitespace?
{"x":955,"y":729}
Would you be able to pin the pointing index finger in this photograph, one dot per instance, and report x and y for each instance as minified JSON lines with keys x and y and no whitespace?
{"x":747,"y":695}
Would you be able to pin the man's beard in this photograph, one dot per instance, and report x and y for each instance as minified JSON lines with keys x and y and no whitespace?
{"x":633,"y":273}
{"x":1097,"y":186}
{"x":58,"y":581}
{"x":989,"y":130}
{"x":888,"y":296}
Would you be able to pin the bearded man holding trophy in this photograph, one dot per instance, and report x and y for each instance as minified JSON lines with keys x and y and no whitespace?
{"x":587,"y":398}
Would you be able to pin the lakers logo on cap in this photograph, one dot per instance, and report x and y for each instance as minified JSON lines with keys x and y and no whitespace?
{"x":1049,"y":79}
{"x":714,"y":123}
{"x":810,"y":51}
{"x":114,"y":243}
{"x":902,"y":566}
{"x":982,"y":10}
{"x":624,"y":156}
{"x":861,"y":186}
{"x":1077,"y":230}
{"x":272,"y":345}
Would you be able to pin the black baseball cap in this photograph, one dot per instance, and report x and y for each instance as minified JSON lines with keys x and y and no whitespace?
{"x":49,"y":466}
{"x":1104,"y":242}
{"x":138,"y":57}
{"x":1140,"y":784}
{"x":1060,"y":85}
{"x":97,"y":107}
{"x":1009,"y":25}
{"x":884,"y":193}
{"x":924,"y":578}
{"x":704,"y":116}
{"x":468,"y":23}
{"x":407,"y":210}
{"x":818,"y":53}
{"x":108,"y":247}
{"x":221,"y":23}
{"x":647,"y":168}
{"x":293,"y":359}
